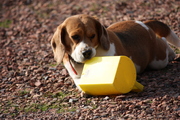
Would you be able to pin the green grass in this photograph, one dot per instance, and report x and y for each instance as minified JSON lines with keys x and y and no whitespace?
{"x":94,"y":7}
{"x":60,"y":95}
{"x":53,"y":64}
{"x":35,"y":107}
{"x":60,"y":105}
{"x":5,"y":23}
{"x":42,"y":14}
{"x":23,"y":92}
{"x":66,"y":109}
{"x":177,"y":51}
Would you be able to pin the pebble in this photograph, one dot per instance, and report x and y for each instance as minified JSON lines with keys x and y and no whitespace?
{"x":178,"y":109}
{"x":72,"y":100}
{"x":52,"y":68}
{"x":87,"y":107}
{"x":106,"y":98}
{"x":46,"y":77}
{"x":96,"y":117}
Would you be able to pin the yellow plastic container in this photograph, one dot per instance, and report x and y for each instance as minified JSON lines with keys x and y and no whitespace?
{"x":109,"y":75}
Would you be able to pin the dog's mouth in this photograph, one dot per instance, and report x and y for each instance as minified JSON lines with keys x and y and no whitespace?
{"x":70,"y":62}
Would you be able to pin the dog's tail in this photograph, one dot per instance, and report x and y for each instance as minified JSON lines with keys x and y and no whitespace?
{"x":162,"y":30}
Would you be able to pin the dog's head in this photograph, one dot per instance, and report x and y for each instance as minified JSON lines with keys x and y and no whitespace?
{"x":79,"y":36}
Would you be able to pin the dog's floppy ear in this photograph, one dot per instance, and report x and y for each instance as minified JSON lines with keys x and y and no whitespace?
{"x":102,"y":36}
{"x":57,"y":44}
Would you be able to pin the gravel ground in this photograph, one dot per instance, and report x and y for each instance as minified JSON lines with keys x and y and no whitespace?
{"x":32,"y":86}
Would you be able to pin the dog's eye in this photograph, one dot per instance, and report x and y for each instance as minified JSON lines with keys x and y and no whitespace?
{"x":76,"y":37}
{"x":92,"y":36}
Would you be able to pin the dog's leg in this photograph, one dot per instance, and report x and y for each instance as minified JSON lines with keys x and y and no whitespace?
{"x":165,"y":51}
{"x":76,"y":82}
{"x":82,"y":93}
{"x":171,"y":53}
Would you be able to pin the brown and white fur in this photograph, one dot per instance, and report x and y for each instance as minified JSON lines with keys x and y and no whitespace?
{"x":82,"y":37}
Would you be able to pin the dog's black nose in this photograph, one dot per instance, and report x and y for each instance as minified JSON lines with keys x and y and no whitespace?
{"x":87,"y":54}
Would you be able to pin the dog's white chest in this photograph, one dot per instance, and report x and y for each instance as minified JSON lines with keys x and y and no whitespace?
{"x":110,"y":52}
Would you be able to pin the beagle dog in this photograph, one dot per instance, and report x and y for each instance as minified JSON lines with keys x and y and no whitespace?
{"x":82,"y":37}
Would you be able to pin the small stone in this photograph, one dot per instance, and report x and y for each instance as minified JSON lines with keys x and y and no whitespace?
{"x":72,"y":100}
{"x":64,"y":72}
{"x":38,"y":83}
{"x":46,"y":77}
{"x":88,"y":107}
{"x":36,"y":95}
{"x":106,"y":98}
{"x":52,"y":68}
